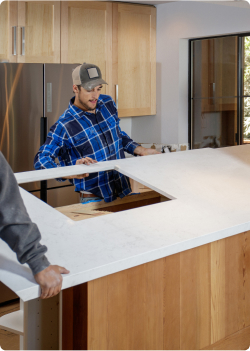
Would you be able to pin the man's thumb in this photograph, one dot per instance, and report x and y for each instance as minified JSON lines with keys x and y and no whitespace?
{"x":63,"y":270}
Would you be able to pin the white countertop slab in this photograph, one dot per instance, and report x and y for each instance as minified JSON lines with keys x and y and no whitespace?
{"x":52,"y":173}
{"x":210,"y":191}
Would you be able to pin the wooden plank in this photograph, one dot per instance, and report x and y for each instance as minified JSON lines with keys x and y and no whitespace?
{"x":118,"y":304}
{"x":234,"y":288}
{"x":246,"y":275}
{"x":203,"y":326}
{"x":67,"y":319}
{"x":134,"y":204}
{"x":109,"y":50}
{"x":188,"y":297}
{"x":41,"y":20}
{"x":97,"y":314}
{"x":178,"y":302}
{"x":6,"y":294}
{"x":153,"y":60}
{"x":75,"y":216}
{"x":103,"y":205}
{"x":114,"y":49}
{"x":134,"y":8}
{"x":136,"y":296}
{"x":80,"y":311}
{"x":218,"y":270}
{"x":90,"y":24}
{"x":8,"y":340}
{"x":93,"y":5}
{"x":137,"y":111}
{"x":236,"y":341}
{"x":171,"y":304}
{"x":64,"y":31}
{"x":135,"y":59}
{"x":154,"y":301}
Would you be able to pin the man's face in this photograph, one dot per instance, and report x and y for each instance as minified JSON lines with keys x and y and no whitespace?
{"x":87,"y":99}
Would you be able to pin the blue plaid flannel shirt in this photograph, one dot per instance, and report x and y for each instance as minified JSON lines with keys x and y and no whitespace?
{"x":79,"y":134}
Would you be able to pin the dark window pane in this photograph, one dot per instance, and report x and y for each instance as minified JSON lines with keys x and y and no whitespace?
{"x":215,"y":67}
{"x":214,"y":122}
{"x":247,"y":66}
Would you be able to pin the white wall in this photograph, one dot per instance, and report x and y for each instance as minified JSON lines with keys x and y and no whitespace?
{"x":176,"y":23}
{"x":126,"y":125}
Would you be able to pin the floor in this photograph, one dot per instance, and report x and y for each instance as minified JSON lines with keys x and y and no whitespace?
{"x":8,"y":340}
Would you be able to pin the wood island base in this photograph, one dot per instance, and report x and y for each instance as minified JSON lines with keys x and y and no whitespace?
{"x":196,"y":299}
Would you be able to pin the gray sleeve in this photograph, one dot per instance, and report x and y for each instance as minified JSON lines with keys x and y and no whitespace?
{"x":16,"y":228}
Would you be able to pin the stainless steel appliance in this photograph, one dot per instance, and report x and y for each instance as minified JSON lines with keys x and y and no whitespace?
{"x":32,"y":97}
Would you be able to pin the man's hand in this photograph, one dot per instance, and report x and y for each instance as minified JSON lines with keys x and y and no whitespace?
{"x":50,"y":280}
{"x":83,"y":161}
{"x":142,"y":151}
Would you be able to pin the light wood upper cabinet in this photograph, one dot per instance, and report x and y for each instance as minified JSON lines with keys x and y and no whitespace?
{"x":134,"y":59}
{"x":39,"y":31}
{"x":8,"y":31}
{"x":120,"y":38}
{"x":86,"y":36}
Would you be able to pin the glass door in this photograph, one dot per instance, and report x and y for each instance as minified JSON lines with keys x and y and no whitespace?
{"x":214,"y":92}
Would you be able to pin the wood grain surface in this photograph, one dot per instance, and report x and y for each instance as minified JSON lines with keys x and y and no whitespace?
{"x":134,"y":58}
{"x":196,"y":299}
{"x":41,"y":20}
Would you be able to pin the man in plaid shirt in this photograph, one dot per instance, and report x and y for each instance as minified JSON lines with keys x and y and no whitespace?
{"x":89,"y":132}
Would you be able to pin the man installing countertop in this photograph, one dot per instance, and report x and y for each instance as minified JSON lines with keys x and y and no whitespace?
{"x":88,"y":132}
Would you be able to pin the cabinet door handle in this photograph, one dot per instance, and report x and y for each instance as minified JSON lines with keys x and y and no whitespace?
{"x":14,"y":40}
{"x":22,"y":41}
{"x":116,"y":95}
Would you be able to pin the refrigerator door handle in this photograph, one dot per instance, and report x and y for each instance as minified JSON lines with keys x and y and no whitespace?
{"x":43,"y":130}
{"x":14,"y":41}
{"x":22,"y":41}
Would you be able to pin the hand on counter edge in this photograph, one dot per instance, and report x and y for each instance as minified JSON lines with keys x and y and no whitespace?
{"x":50,"y":280}
{"x":142,"y":151}
{"x":82,"y":161}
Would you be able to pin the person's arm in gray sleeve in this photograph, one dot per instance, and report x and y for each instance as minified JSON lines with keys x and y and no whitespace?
{"x":23,"y":236}
{"x":16,"y":228}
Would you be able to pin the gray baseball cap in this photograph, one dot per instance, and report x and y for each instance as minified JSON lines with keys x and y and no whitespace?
{"x":88,"y":76}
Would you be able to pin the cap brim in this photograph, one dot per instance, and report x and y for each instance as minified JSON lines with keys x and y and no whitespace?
{"x":94,"y":83}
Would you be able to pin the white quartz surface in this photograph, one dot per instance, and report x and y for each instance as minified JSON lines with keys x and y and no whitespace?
{"x":210,"y":200}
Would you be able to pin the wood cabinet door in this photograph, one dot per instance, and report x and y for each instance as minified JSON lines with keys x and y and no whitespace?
{"x":8,"y":31}
{"x":86,"y":36}
{"x":39,"y":31}
{"x":134,"y":59}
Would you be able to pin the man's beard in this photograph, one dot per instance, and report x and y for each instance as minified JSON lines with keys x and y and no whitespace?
{"x":86,"y":107}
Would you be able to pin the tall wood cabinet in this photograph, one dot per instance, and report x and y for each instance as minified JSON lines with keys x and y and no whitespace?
{"x":30,"y":31}
{"x":86,"y":35}
{"x":39,"y":31}
{"x":120,"y":38}
{"x":8,"y":31}
{"x":134,"y":59}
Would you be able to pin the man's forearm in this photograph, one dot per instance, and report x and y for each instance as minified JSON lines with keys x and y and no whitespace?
{"x":139,"y":150}
{"x":142,"y":151}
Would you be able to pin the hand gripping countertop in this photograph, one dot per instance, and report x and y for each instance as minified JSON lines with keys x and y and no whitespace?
{"x":210,"y":192}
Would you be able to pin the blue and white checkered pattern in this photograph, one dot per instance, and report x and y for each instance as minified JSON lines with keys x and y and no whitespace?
{"x":79,"y":134}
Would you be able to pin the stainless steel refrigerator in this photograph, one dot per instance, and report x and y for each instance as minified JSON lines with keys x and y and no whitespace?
{"x":32,"y":97}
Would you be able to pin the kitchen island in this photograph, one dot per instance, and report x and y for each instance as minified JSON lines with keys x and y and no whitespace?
{"x":172,"y":275}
